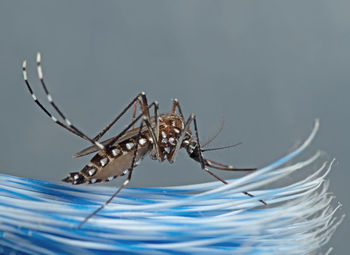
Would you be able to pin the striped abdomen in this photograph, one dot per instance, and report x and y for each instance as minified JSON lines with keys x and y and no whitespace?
{"x":111,"y":163}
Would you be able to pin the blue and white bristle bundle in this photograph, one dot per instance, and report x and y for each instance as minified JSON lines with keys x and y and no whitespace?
{"x":41,"y":217}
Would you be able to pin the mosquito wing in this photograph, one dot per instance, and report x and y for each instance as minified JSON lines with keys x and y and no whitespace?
{"x":94,"y":148}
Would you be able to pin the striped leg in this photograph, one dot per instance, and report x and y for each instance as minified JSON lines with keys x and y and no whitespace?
{"x":68,"y":126}
{"x":204,"y":163}
{"x":141,"y":100}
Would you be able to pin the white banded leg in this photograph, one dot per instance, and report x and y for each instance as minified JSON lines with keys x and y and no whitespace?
{"x":49,"y":98}
{"x":24,"y":69}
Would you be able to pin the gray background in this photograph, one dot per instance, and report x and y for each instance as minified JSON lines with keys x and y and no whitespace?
{"x":270,"y":67}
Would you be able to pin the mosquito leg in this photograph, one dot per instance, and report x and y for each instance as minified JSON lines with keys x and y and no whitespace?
{"x":49,"y":98}
{"x":114,"y":139}
{"x":133,"y":113}
{"x":147,"y":119}
{"x":220,"y":166}
{"x":145,"y":112}
{"x":175,"y":105}
{"x":225,"y":182}
{"x":108,"y":201}
{"x":156,"y":116}
{"x":217,"y":177}
{"x":250,"y":195}
{"x":128,"y":127}
{"x":25,"y":76}
{"x":154,"y":138}
{"x":201,"y":160}
{"x":144,"y":106}
{"x":182,"y":137}
{"x":154,"y":132}
{"x":69,"y":126}
{"x":126,"y":182}
{"x":133,"y":102}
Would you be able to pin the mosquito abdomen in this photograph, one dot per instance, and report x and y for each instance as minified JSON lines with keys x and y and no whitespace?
{"x":108,"y":164}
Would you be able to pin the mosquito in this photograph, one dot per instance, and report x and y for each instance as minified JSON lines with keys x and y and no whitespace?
{"x":161,"y":136}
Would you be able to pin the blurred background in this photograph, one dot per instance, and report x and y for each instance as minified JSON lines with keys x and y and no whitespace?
{"x":269,"y":67}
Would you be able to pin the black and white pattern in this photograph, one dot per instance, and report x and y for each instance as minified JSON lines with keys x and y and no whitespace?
{"x":161,"y":136}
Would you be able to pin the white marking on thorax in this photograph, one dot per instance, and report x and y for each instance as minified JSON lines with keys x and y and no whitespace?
{"x":172,"y":141}
{"x":167,"y":149}
{"x":142,"y":141}
{"x":163,"y":134}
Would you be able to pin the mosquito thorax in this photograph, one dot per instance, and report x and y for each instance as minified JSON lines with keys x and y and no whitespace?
{"x":170,"y":128}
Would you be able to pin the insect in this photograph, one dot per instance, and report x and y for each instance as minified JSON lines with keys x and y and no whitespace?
{"x":161,"y":136}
